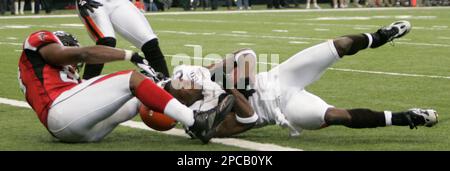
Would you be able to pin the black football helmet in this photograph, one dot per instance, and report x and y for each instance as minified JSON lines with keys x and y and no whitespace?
{"x":66,"y":38}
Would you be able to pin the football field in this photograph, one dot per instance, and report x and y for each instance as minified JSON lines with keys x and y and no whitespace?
{"x":413,"y":71}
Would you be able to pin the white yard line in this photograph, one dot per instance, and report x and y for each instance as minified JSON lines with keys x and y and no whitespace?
{"x":10,"y":43}
{"x":337,"y":69}
{"x":226,"y":141}
{"x":292,"y":38}
{"x":179,"y":132}
{"x":237,"y":12}
{"x":390,"y":73}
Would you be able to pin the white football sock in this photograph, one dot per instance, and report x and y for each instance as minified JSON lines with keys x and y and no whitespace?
{"x":32,"y":7}
{"x":388,"y":117}
{"x":179,"y":112}
{"x":22,"y":7}
{"x":369,"y":36}
{"x":16,"y":8}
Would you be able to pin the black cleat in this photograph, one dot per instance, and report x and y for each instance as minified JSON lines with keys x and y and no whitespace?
{"x":395,"y":30}
{"x":207,"y":121}
{"x":389,"y":33}
{"x":421,"y":117}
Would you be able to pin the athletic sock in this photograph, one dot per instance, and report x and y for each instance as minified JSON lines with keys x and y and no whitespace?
{"x":16,"y":8}
{"x":366,"y":118}
{"x":155,"y":57}
{"x":400,"y":119}
{"x":377,"y":39}
{"x":360,"y":42}
{"x":32,"y":7}
{"x":161,"y":101}
{"x":22,"y":7}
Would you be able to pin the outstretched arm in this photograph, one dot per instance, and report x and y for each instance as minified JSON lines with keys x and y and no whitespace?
{"x":61,"y":55}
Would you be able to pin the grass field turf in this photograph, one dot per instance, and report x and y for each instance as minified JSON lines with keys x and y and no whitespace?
{"x":215,"y":33}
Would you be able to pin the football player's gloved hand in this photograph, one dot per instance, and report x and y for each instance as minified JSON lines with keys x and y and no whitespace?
{"x":85,"y":5}
{"x":138,"y":59}
{"x":142,"y":64}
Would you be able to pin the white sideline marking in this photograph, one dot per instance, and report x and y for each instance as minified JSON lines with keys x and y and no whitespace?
{"x":238,"y":12}
{"x":239,"y":32}
{"x":423,"y":44}
{"x":72,"y":25}
{"x":16,"y":103}
{"x":226,"y":141}
{"x":246,"y":44}
{"x":292,"y":38}
{"x":298,"y":42}
{"x":179,"y":132}
{"x":321,"y":29}
{"x":445,"y":38}
{"x":281,"y":31}
{"x":389,"y":73}
{"x":375,"y":17}
{"x":10,"y":43}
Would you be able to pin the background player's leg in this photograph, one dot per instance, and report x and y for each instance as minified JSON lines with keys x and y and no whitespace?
{"x":100,"y":29}
{"x":139,"y":32}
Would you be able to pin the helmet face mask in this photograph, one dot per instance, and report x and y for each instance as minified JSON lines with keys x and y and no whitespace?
{"x":67,"y":39}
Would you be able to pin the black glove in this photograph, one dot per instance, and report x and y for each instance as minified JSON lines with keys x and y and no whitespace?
{"x":85,"y":5}
{"x":142,"y":63}
{"x":138,"y":59}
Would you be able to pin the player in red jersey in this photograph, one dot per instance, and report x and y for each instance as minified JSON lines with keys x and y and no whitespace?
{"x":84,"y":111}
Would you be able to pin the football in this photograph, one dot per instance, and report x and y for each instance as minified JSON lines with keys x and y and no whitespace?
{"x":155,"y":120}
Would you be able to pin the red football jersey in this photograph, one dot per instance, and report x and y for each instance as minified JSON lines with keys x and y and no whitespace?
{"x":40,"y":81}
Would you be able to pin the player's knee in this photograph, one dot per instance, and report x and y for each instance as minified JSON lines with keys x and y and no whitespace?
{"x":335,"y":116}
{"x":342,"y":45}
{"x":107,"y":41}
{"x":135,"y":79}
{"x":306,"y":118}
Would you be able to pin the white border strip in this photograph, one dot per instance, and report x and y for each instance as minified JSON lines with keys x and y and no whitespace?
{"x":179,"y":132}
{"x":238,"y":12}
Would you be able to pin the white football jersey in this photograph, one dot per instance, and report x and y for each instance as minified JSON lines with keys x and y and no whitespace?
{"x":266,"y":100}
{"x":201,"y":77}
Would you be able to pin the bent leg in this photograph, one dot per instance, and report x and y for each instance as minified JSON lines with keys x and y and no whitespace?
{"x":80,"y":109}
{"x":103,"y":128}
{"x":306,"y":66}
{"x":306,"y":110}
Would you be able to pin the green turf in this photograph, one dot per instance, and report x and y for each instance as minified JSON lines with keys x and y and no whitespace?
{"x":23,"y":132}
{"x":342,"y":89}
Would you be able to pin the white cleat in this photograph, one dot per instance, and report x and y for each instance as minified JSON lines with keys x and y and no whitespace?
{"x":422,"y":117}
{"x":396,"y":29}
